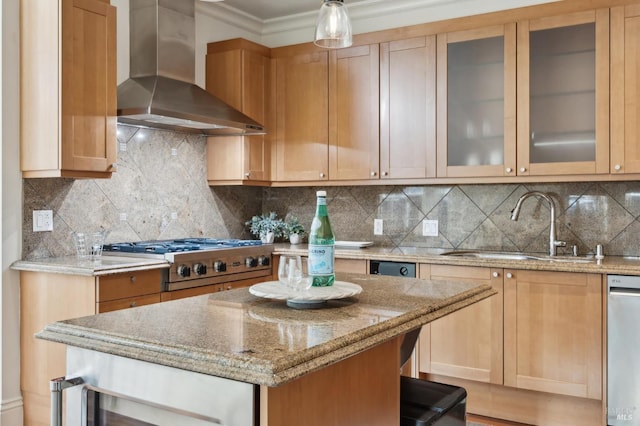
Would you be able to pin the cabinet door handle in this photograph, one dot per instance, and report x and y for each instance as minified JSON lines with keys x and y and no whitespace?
{"x":509,"y":275}
{"x":617,"y":167}
{"x":113,"y":166}
{"x":247,"y":175}
{"x":133,"y":304}
{"x":322,"y":175}
{"x":495,"y":275}
{"x":373,"y":174}
{"x":523,"y":169}
{"x":385,"y":173}
{"x":132,"y":278}
{"x":230,"y":287}
{"x":509,"y":170}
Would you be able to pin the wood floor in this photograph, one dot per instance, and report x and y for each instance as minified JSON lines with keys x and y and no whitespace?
{"x":473,"y":420}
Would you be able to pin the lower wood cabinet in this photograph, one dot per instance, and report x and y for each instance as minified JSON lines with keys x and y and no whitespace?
{"x":48,"y":297}
{"x":553,"y":332}
{"x":467,"y":343}
{"x":533,"y":353}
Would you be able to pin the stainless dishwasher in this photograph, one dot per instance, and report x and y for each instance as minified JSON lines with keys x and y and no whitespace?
{"x":623,"y":337}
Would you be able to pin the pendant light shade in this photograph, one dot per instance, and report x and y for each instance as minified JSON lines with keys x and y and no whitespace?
{"x":333,"y":27}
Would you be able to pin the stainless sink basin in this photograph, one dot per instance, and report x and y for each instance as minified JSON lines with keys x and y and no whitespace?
{"x":517,"y":256}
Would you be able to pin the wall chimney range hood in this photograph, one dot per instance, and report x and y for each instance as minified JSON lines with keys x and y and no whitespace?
{"x":160,"y":92}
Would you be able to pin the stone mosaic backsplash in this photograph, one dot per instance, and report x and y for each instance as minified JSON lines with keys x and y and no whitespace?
{"x":477,"y":216}
{"x":160,"y":191}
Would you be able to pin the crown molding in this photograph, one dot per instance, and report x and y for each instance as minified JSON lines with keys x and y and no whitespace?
{"x":232,"y":16}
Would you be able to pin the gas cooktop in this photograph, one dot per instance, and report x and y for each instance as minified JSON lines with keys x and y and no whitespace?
{"x":178,"y":245}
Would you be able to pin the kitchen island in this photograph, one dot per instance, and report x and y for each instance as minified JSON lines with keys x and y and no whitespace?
{"x":335,"y":365}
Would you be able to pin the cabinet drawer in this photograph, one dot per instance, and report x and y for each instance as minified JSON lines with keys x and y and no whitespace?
{"x":130,"y":284}
{"x":132,"y":302}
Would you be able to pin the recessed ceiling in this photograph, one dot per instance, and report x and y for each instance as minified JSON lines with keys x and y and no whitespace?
{"x":269,"y":9}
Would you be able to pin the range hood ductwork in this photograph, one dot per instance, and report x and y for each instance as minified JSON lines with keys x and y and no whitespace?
{"x":161,"y":92}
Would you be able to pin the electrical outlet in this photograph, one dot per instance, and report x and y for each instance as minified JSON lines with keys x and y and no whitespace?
{"x":429,"y":228}
{"x":42,"y":220}
{"x":377,"y":226}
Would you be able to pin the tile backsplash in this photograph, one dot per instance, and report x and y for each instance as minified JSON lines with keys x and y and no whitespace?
{"x":160,"y":191}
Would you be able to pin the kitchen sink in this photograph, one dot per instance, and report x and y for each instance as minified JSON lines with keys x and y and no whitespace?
{"x":517,"y":256}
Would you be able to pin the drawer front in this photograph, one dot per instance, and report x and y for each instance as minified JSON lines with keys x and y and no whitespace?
{"x":130,"y":284}
{"x":132,"y":302}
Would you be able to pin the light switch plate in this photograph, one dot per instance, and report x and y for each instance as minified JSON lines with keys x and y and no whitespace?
{"x":429,"y":228}
{"x":377,"y":227}
{"x":42,"y":220}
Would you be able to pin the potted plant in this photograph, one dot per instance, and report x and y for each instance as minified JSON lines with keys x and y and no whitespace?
{"x":293,"y":229}
{"x":266,"y":227}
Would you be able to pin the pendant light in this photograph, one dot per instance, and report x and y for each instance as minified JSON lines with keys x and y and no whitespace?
{"x":333,"y":27}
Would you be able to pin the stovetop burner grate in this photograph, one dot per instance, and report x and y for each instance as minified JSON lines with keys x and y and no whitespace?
{"x":178,"y":245}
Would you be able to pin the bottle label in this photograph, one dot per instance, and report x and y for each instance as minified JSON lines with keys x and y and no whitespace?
{"x":320,"y":259}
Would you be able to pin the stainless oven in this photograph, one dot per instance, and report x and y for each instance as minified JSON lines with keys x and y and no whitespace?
{"x":103,"y":389}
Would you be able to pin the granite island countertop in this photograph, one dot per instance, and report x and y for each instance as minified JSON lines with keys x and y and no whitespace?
{"x":242,"y":337}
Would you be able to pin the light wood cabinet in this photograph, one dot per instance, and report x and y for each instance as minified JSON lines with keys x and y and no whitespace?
{"x":239,"y":72}
{"x":68,"y":88}
{"x":625,"y":91}
{"x":408,"y":108}
{"x":48,"y":297}
{"x":563,"y":94}
{"x":354,"y":124}
{"x":466,"y":344}
{"x":302,"y":105}
{"x":477,"y":102}
{"x":553,"y":332}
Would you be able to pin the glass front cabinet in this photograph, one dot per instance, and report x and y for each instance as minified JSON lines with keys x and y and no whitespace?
{"x":476,"y":102}
{"x":525,"y":99}
{"x":563,"y":95}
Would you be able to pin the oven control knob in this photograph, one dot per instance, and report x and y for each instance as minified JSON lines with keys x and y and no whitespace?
{"x":184,"y":271}
{"x":200,"y":269}
{"x":263,"y":261}
{"x":250,"y":262}
{"x":219,"y":266}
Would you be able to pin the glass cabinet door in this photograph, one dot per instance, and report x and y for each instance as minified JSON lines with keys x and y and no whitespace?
{"x":563,"y":107}
{"x":476,"y":102}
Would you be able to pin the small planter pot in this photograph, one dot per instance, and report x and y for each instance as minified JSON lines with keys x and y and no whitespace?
{"x":267,"y":238}
{"x":295,"y":238}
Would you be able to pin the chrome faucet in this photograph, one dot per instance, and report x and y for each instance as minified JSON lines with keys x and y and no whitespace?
{"x":553,"y":243}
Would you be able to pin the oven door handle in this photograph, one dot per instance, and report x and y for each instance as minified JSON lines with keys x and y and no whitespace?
{"x":56,"y":386}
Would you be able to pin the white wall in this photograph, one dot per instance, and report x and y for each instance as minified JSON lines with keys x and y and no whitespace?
{"x":10,"y":245}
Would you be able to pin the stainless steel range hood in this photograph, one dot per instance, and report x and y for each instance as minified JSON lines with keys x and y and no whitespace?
{"x":160,"y":92}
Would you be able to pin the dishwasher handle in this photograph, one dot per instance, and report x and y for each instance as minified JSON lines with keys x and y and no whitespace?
{"x":624,"y":291}
{"x":56,"y":386}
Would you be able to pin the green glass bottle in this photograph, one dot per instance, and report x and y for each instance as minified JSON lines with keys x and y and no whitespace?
{"x":321,"y":245}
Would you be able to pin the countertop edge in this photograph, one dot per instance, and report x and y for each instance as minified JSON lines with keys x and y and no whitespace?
{"x":609,"y":265}
{"x":89,"y":269}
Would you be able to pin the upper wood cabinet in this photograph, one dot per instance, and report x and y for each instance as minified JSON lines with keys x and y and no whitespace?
{"x":68,"y":88}
{"x":563,"y":94}
{"x":553,"y":332}
{"x":477,"y":102}
{"x":354,"y":113}
{"x":466,"y":344}
{"x":302,"y":105}
{"x":408,"y":108}
{"x":625,"y":91}
{"x":239,"y":72}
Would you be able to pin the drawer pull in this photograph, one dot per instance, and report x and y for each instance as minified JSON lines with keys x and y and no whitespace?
{"x":132,"y":278}
{"x":133,"y":304}
{"x":509,"y":275}
{"x":495,"y":275}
